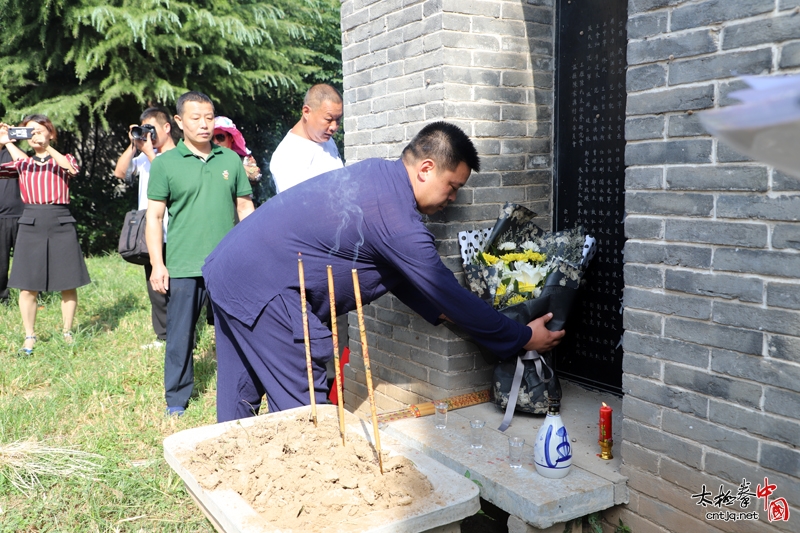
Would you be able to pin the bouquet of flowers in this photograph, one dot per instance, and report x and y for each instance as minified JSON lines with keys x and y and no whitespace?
{"x":525,"y":272}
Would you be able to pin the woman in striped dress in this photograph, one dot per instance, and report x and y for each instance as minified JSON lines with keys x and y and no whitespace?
{"x":47,"y":256}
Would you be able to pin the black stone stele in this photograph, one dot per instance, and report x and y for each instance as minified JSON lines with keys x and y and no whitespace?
{"x":590,"y":179}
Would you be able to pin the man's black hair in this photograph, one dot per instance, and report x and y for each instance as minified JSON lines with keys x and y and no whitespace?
{"x":191,"y":96}
{"x":446,"y":144}
{"x":161,"y":115}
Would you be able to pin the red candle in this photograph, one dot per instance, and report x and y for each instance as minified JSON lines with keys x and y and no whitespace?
{"x":605,"y":422}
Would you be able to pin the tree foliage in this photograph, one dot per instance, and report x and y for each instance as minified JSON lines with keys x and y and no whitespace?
{"x":69,"y":58}
{"x":93,"y":65}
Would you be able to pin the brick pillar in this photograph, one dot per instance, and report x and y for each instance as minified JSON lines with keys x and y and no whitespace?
{"x":711,"y":288}
{"x":485,"y":65}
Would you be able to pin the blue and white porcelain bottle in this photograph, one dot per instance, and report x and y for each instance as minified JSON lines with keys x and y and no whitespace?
{"x":552,"y":453}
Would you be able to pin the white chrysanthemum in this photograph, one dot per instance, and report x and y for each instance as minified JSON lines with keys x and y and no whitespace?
{"x":530,"y":245}
{"x":506,"y":246}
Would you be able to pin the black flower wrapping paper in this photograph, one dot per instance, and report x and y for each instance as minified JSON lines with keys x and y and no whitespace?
{"x":567,"y":254}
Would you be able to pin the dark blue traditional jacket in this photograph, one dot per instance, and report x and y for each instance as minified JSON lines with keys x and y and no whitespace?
{"x":363,"y":216}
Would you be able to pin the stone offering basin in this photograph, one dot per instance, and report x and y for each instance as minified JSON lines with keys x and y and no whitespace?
{"x":454,"y":496}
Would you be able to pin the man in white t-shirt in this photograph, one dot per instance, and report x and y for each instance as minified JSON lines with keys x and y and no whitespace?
{"x":135,"y":160}
{"x":308,"y":149}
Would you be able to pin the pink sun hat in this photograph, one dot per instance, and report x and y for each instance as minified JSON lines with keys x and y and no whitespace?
{"x":237,"y":143}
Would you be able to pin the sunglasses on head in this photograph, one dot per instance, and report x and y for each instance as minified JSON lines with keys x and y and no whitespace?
{"x":221,"y":137}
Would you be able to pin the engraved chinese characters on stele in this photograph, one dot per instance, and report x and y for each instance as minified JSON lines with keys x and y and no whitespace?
{"x":777,"y":509}
{"x":591,"y":180}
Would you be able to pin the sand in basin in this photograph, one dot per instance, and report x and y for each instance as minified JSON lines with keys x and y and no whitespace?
{"x":301,"y":478}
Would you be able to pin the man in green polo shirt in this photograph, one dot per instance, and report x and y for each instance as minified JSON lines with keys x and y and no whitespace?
{"x":204,"y":187}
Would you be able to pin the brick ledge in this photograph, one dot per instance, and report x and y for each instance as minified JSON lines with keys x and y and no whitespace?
{"x":592,"y":484}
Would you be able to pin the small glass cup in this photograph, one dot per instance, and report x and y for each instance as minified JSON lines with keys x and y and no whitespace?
{"x":440,"y":417}
{"x":476,"y":433}
{"x":515,"y":446}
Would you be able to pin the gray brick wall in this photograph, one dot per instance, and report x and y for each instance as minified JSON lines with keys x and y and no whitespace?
{"x":712,"y":298}
{"x":487,"y":66}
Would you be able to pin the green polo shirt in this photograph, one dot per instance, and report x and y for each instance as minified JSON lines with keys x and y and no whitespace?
{"x":201,"y":201}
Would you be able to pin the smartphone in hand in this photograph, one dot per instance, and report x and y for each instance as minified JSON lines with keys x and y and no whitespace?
{"x":20,"y":133}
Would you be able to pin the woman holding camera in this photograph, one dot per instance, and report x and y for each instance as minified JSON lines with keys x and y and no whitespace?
{"x":48,"y":256}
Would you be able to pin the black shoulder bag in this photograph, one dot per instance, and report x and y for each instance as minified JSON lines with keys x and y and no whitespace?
{"x":132,"y":244}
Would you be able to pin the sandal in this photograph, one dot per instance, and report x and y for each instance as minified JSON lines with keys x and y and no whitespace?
{"x":68,"y":337}
{"x":27,"y":352}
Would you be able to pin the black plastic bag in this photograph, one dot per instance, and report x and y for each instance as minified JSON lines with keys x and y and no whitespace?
{"x":535,"y":388}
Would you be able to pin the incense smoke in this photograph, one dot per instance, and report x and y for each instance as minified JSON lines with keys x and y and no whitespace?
{"x":342,"y":198}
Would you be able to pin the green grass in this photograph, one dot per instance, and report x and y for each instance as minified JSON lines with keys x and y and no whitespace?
{"x":103,"y":395}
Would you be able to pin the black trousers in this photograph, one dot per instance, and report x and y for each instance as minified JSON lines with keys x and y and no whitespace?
{"x":158,"y":303}
{"x":8,"y":238}
{"x":186,"y":299}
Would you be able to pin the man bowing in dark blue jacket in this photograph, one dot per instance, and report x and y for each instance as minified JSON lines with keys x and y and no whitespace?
{"x":365,"y":216}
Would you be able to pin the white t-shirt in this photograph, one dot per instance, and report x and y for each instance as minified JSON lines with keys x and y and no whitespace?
{"x":297,"y":159}
{"x":140,"y":165}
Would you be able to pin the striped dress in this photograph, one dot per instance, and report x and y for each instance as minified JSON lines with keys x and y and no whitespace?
{"x":47,"y":256}
{"x":40,"y":181}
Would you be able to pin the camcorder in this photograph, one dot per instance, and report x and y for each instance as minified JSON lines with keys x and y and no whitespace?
{"x":20,"y":133}
{"x":139,"y":133}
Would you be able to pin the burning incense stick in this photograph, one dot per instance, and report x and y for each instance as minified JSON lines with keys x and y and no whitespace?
{"x":305,"y":337}
{"x":335,"y":332}
{"x":365,"y":354}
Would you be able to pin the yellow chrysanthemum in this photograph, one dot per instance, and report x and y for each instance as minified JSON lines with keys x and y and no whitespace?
{"x":516,"y":299}
{"x":489,"y":258}
{"x":510,"y":258}
{"x":499,"y":293}
{"x":534,"y":257}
